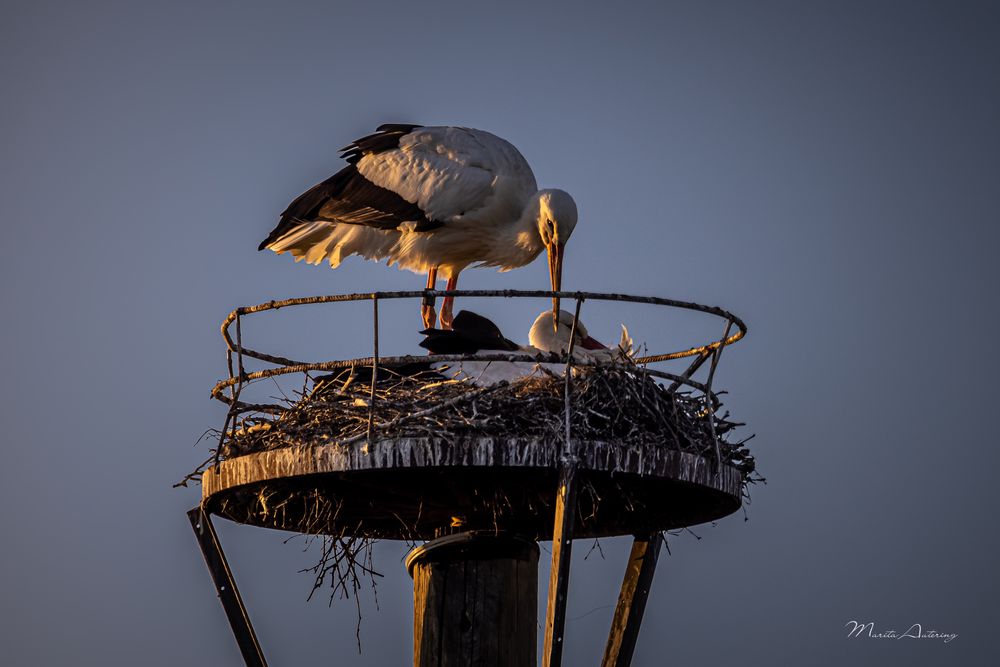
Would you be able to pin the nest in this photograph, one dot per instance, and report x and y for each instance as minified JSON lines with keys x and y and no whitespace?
{"x":607,"y":403}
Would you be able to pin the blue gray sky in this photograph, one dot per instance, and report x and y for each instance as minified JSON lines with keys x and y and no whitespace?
{"x":829,"y":171}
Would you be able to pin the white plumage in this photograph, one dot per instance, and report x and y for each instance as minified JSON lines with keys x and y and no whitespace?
{"x":544,"y":338}
{"x":430,"y":199}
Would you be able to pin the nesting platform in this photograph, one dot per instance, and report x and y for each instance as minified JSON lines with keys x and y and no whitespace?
{"x":645,"y":452}
{"x":417,"y":488}
{"x":392,"y":447}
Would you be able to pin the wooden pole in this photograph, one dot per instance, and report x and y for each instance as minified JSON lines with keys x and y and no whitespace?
{"x":562,"y":530}
{"x":475,"y":598}
{"x":562,"y":554}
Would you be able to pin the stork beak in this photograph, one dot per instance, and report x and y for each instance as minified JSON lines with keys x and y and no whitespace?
{"x":555,"y":275}
{"x":590,"y":343}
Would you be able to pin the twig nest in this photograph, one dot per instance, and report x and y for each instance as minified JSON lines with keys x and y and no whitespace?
{"x":607,"y":404}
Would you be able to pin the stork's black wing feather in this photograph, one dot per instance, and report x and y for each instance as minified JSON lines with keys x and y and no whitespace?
{"x":362,"y":375}
{"x":347,"y":197}
{"x":471,"y":333}
{"x":481,"y":328}
{"x":385,"y":138}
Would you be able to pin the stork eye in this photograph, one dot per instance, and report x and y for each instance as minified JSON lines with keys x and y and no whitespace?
{"x":550,"y":230}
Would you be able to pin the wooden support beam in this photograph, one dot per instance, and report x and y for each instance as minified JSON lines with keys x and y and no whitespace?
{"x":562,"y":550}
{"x":475,"y":601}
{"x":632,"y":600}
{"x":225,"y":587}
{"x":565,"y":519}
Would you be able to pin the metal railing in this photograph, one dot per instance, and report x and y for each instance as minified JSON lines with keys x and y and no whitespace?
{"x":237,"y":351}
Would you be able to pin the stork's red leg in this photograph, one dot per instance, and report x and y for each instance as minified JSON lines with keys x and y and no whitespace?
{"x":427,"y":308}
{"x":446,"y":316}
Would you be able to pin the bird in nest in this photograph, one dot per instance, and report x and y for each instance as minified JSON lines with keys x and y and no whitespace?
{"x":473,"y":333}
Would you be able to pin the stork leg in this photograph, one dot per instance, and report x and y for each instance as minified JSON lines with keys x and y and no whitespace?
{"x":446,"y":316}
{"x":427,"y":308}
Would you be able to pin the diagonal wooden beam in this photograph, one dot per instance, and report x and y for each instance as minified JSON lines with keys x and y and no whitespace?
{"x":562,"y":550}
{"x":632,"y":600}
{"x":225,"y":587}
{"x":562,"y":530}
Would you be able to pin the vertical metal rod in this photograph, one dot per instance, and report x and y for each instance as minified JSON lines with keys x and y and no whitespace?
{"x":632,"y":600}
{"x":718,"y":353}
{"x":236,"y":389}
{"x":233,"y":395}
{"x":232,"y":373}
{"x":562,"y":531}
{"x":225,"y":587}
{"x":239,"y":349}
{"x":567,"y":447}
{"x":709,"y":403}
{"x":371,"y":396}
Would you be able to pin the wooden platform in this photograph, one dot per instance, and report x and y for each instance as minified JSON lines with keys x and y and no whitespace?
{"x":419,"y":487}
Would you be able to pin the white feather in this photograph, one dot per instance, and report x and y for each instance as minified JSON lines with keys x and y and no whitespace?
{"x":543,"y":340}
{"x":321,"y":240}
{"x":453,"y":173}
{"x":475,"y":183}
{"x":487,"y":373}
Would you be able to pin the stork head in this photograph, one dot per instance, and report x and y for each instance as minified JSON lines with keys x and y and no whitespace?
{"x":556,"y":221}
{"x":552,"y":333}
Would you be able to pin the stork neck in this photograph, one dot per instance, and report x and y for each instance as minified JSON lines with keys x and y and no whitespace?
{"x":516,"y":243}
{"x":525,"y":230}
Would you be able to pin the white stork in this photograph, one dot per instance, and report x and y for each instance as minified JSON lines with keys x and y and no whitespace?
{"x":430,"y":199}
{"x":474,"y":333}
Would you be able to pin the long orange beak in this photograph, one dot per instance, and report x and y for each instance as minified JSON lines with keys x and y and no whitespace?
{"x":555,"y":251}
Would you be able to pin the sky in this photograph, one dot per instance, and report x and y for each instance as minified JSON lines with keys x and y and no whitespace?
{"x":828,"y":171}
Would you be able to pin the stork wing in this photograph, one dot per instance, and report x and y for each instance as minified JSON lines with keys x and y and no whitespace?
{"x":402,"y":178}
{"x":452,"y":172}
{"x":470,"y":333}
{"x":349,"y":198}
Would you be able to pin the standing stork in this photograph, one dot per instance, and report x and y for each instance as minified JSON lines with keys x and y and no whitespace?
{"x":432,"y":200}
